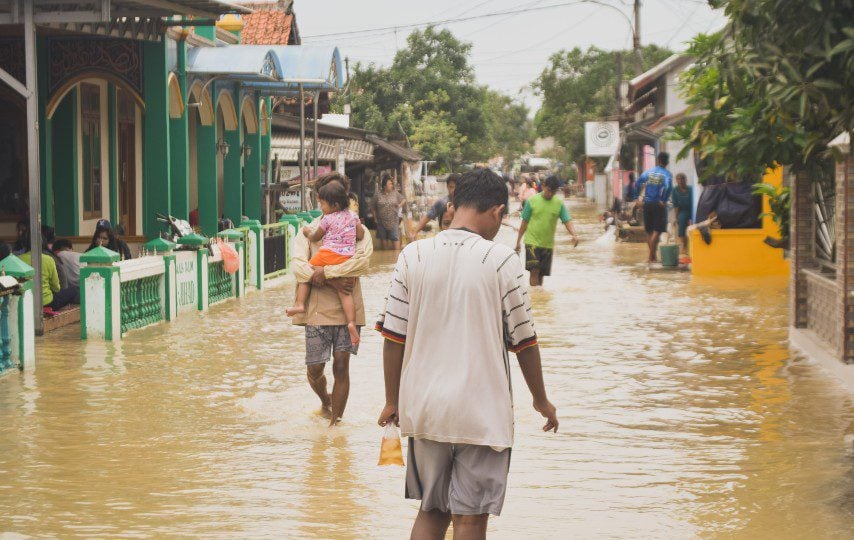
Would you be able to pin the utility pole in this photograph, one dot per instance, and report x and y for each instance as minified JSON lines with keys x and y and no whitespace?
{"x":618,"y":61}
{"x":636,"y":44}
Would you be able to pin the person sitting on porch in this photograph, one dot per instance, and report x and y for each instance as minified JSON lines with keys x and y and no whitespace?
{"x":70,"y":261}
{"x":5,"y":251}
{"x":54,"y":297}
{"x":22,"y":229}
{"x":105,"y":237}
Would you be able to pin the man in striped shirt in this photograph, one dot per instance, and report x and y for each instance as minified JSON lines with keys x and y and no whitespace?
{"x":457,"y":303}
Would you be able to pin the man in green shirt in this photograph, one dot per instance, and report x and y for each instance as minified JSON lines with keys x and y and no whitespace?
{"x":539,"y":223}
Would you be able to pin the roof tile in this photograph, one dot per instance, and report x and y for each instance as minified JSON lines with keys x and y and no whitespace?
{"x":269,"y":27}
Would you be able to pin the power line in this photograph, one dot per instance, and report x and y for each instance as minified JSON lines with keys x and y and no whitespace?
{"x":446,"y":21}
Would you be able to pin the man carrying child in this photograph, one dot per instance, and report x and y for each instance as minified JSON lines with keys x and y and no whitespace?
{"x":326,"y":331}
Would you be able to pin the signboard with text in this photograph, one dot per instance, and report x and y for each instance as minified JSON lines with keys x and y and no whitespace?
{"x":186,"y":280}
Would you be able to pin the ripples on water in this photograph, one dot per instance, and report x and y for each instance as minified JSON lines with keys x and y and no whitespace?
{"x":683,"y":415}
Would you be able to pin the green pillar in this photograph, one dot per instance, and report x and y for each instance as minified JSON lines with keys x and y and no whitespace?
{"x":178,"y":136}
{"x":206,"y":167}
{"x":155,"y":151}
{"x":45,"y":137}
{"x":233,"y":183}
{"x":266,"y":141}
{"x":252,"y":196}
{"x":65,"y":173}
{"x":113,"y":154}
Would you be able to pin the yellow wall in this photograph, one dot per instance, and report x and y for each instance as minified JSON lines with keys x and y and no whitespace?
{"x":741,"y":252}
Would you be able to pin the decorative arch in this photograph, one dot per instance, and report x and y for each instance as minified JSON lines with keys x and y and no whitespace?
{"x":247,"y":113}
{"x":201,"y":99}
{"x":57,"y":97}
{"x":176,"y":101}
{"x":229,"y":114}
{"x":264,"y":118}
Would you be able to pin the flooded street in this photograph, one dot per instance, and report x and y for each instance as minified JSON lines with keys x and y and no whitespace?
{"x":683,"y":414}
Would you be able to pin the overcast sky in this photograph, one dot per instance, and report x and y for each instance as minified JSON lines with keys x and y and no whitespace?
{"x":509,"y":51}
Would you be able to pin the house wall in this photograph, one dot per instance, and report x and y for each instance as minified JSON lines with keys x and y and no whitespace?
{"x":821,"y":298}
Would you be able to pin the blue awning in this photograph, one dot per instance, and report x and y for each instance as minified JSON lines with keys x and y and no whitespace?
{"x":314,"y":67}
{"x":246,"y":63}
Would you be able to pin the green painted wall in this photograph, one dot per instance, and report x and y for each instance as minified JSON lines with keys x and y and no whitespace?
{"x":113,"y":155}
{"x":208,"y":32}
{"x":155,"y":151}
{"x":206,"y":166}
{"x":64,"y":166}
{"x":252,"y":196}
{"x":178,"y":137}
{"x":45,"y":137}
{"x":233,"y":165}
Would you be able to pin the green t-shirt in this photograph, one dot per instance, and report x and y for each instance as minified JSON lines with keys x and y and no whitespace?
{"x":50,"y":277}
{"x":541,"y":216}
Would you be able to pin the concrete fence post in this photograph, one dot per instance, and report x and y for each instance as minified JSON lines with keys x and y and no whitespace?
{"x":256,"y":252}
{"x":15,"y":273}
{"x":100,"y":295}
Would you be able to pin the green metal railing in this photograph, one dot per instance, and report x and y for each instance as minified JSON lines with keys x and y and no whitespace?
{"x":140,"y":302}
{"x":5,"y":336}
{"x":277,"y":257}
{"x":219,"y":282}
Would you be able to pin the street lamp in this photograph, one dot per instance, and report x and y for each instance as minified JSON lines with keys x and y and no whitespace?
{"x":247,"y":150}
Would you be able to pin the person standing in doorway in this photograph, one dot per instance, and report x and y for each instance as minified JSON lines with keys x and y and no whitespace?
{"x":386,"y":206}
{"x":683,"y":202}
{"x":439,"y":210}
{"x":539,"y":223}
{"x":326,"y":332}
{"x":456,"y":305}
{"x":656,"y":184}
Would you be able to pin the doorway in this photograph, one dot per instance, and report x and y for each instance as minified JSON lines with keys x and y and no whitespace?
{"x":126,"y":116}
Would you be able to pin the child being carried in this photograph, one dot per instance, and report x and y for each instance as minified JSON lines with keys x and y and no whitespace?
{"x":339,"y":230}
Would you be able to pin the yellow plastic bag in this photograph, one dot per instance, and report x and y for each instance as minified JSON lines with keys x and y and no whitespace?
{"x":391,"y":452}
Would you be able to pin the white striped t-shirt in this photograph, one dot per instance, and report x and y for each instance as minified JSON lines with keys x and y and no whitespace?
{"x":458,"y":303}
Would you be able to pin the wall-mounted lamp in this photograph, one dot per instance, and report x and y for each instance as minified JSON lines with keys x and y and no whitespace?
{"x":222,"y":147}
{"x":247,"y":150}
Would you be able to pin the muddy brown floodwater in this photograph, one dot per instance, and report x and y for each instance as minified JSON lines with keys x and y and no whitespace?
{"x":683,"y":413}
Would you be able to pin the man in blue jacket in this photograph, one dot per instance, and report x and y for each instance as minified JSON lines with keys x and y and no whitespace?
{"x":658,"y":183}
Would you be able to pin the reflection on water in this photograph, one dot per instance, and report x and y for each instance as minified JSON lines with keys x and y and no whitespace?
{"x":684,"y":415}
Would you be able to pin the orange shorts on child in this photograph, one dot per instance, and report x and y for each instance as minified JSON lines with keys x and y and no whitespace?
{"x":325,"y":257}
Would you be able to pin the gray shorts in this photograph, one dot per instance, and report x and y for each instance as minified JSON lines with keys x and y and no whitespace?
{"x":463,"y":479}
{"x":392,"y":233}
{"x":322,"y":341}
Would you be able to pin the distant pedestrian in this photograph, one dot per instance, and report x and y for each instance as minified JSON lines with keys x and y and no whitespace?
{"x":456,"y":305}
{"x":386,"y":206}
{"x":539,"y":223}
{"x":438,"y":211}
{"x":683,"y":204}
{"x":656,"y":184}
{"x":629,"y":194}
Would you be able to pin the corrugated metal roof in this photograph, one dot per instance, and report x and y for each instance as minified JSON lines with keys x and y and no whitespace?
{"x":249,"y":62}
{"x":132,"y":8}
{"x":286,"y":147}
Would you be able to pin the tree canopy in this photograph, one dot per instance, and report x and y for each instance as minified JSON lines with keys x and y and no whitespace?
{"x":580,"y":86}
{"x":429,"y":95}
{"x":773,"y":87}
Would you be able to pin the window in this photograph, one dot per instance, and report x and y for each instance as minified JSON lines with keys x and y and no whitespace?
{"x":824,"y":193}
{"x":90,"y":113}
{"x":13,"y":160}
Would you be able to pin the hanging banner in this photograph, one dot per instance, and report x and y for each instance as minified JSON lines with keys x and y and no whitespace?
{"x":601,"y":138}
